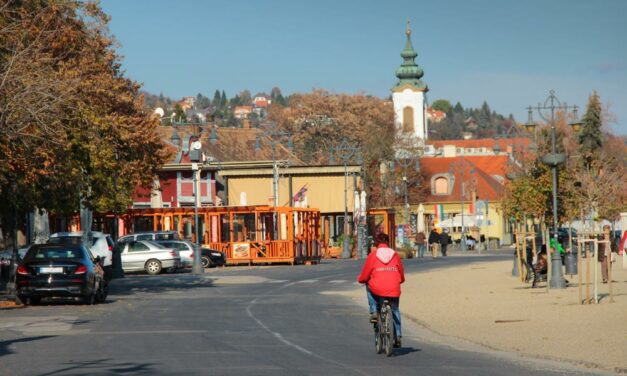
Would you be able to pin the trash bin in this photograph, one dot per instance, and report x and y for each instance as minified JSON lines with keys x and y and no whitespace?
{"x":570,"y":262}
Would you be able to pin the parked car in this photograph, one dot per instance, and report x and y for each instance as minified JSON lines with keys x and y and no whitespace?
{"x":101,"y":244}
{"x":149,"y":235}
{"x":211,"y":257}
{"x":208,"y":257}
{"x":148,"y":256}
{"x":60,"y":270}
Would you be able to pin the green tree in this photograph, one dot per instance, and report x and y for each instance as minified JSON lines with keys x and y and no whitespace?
{"x":442,"y":105}
{"x":223,"y":101}
{"x":591,"y":136}
{"x":202,"y":101}
{"x":245,"y":98}
{"x":179,"y":114}
{"x":216,"y":102}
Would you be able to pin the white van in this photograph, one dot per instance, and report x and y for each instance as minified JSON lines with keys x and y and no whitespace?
{"x":101,"y":244}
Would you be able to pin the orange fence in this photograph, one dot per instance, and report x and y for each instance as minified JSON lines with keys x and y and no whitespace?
{"x":247,"y":234}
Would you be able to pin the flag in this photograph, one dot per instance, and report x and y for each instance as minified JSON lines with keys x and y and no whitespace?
{"x":300,"y":194}
{"x":439,"y":212}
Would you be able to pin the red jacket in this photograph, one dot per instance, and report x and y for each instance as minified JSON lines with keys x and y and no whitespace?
{"x":383,"y":271}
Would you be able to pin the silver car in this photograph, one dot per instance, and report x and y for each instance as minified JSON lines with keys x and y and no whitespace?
{"x":149,"y":256}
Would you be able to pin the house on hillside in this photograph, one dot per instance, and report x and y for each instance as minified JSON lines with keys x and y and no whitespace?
{"x":435,"y":116}
{"x":242,"y":112}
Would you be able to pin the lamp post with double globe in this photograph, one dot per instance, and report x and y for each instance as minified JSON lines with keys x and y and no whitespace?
{"x":553,"y":159}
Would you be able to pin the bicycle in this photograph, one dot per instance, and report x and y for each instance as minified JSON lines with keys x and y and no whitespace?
{"x":384,"y":331}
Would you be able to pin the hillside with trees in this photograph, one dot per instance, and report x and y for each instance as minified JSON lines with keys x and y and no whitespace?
{"x":482,"y":122}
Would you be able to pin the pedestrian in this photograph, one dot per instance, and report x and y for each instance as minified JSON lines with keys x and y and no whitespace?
{"x":605,"y":251}
{"x":444,"y":241}
{"x":420,"y":243}
{"x":434,"y":242}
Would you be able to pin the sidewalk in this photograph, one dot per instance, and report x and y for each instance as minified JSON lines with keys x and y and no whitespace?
{"x":483,"y":303}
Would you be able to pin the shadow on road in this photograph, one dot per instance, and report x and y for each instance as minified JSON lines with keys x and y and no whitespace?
{"x":104,"y":365}
{"x":137,"y":283}
{"x":405,"y":350}
{"x":4,"y":345}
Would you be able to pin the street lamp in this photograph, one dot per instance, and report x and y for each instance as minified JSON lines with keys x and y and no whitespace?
{"x":345,"y":151}
{"x":11,"y":287}
{"x":404,"y":159}
{"x":553,"y":159}
{"x":275,"y":136}
{"x":461,"y":165}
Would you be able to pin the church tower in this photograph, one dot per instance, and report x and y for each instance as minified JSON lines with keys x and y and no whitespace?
{"x":409,"y":94}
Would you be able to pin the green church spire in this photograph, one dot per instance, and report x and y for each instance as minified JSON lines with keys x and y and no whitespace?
{"x":409,"y":73}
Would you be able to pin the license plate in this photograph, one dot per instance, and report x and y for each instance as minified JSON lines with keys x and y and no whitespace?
{"x":50,"y":270}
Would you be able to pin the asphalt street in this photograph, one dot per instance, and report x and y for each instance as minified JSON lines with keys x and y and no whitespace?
{"x":275,"y":320}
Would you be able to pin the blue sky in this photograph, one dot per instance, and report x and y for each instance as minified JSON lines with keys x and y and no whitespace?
{"x":508,"y":53}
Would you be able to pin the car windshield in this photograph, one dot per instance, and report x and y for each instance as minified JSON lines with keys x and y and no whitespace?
{"x":54,"y":253}
{"x":156,"y":245}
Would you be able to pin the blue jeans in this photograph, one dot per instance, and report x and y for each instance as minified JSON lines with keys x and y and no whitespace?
{"x":421,"y":250}
{"x":394,"y":302}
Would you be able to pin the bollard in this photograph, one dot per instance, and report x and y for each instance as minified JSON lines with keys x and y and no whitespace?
{"x":515,"y":271}
{"x":570,"y":261}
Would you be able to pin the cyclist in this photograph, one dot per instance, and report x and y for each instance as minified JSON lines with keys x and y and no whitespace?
{"x":383,"y":274}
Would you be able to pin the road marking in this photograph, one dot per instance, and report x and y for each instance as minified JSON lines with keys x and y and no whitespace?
{"x":308,"y":281}
{"x":278,"y":281}
{"x":291,"y":344}
{"x":133,"y":332}
{"x":338,"y":281}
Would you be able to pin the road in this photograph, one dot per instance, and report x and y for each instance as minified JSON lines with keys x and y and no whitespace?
{"x":276,"y":320}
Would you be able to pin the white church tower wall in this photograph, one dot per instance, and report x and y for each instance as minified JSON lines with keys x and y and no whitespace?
{"x":409,"y":94}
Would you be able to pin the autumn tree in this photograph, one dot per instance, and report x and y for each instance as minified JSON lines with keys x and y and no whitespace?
{"x":70,"y":122}
{"x":597,"y":169}
{"x":320,"y":120}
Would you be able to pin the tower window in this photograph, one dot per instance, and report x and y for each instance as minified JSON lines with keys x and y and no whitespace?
{"x":408,"y":120}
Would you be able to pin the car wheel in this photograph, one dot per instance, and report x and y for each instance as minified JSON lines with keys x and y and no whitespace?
{"x":90,"y":299}
{"x":34,"y":300}
{"x":153,"y":267}
{"x":206,"y":262}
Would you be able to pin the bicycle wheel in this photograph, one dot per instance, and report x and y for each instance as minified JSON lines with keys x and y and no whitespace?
{"x":388,"y":331}
{"x":378,"y":338}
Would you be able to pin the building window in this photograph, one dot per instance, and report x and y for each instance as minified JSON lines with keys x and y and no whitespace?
{"x":440,"y":186}
{"x":408,"y":120}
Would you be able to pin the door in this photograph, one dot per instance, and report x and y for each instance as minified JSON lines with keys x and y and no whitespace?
{"x":134,"y":256}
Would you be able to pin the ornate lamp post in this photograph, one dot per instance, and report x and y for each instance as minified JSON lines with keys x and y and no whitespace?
{"x":345,"y":151}
{"x":553,"y":159}
{"x":404,"y":159}
{"x":274,"y":136}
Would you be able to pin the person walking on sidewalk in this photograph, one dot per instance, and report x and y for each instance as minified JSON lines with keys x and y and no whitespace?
{"x":434,"y":242}
{"x":444,"y":241}
{"x":420,"y":243}
{"x":605,"y":251}
{"x":383,"y":274}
